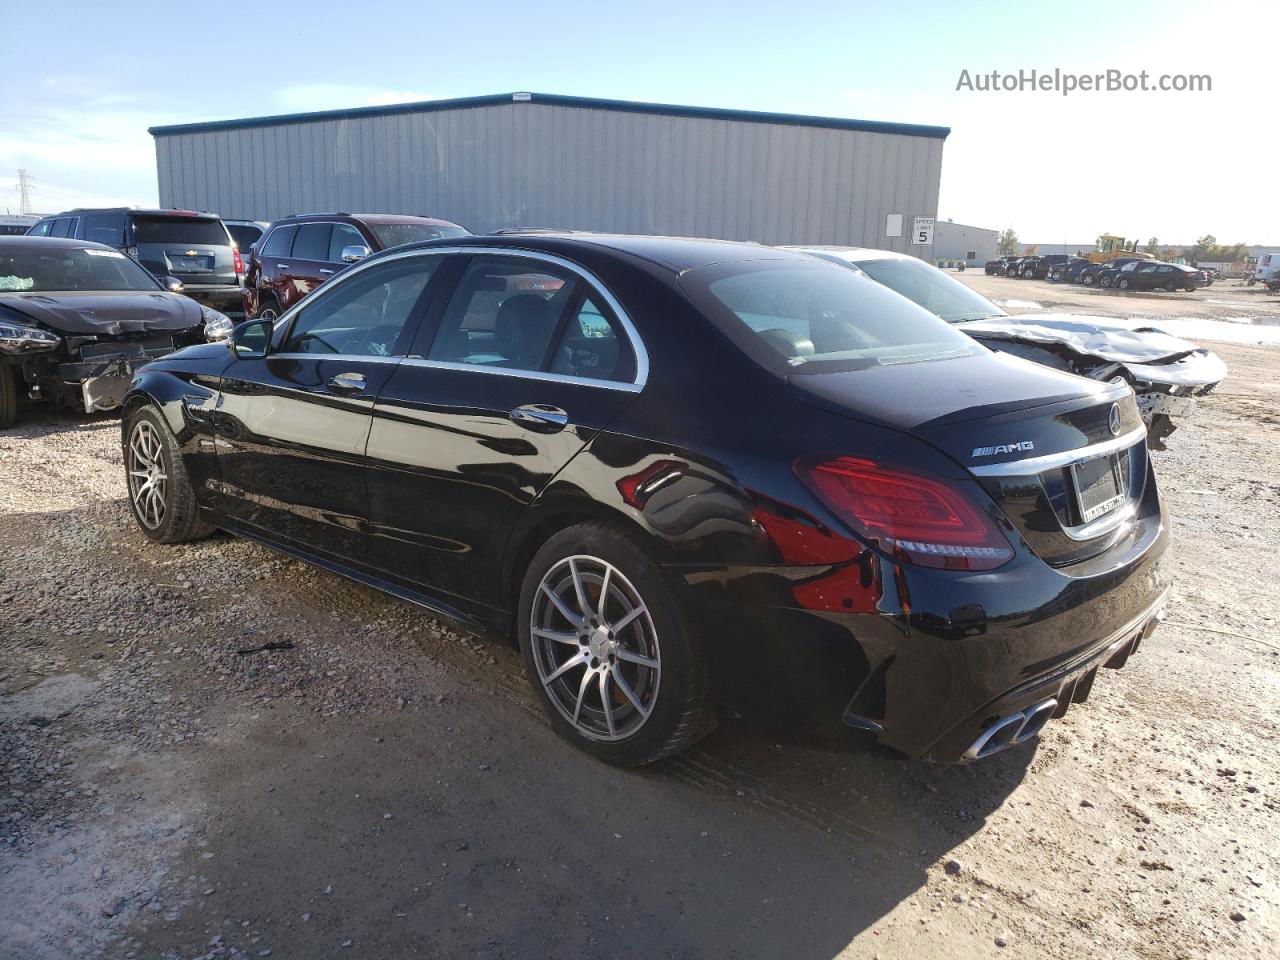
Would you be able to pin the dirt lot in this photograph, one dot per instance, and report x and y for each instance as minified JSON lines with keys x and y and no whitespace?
{"x":381,"y":786}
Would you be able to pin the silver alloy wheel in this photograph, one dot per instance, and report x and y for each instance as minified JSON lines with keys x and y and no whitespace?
{"x":595,"y":648}
{"x":268,"y":313}
{"x":148,"y":483}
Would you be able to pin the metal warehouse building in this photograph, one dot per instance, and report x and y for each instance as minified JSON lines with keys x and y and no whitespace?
{"x":536,"y":160}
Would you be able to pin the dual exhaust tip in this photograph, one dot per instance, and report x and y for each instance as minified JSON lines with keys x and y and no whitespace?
{"x":1012,"y":730}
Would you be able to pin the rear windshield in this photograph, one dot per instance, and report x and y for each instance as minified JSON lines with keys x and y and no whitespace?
{"x":941,"y":295}
{"x":394,"y":234}
{"x":180,"y":230}
{"x":818,"y":317}
{"x":72,"y":268}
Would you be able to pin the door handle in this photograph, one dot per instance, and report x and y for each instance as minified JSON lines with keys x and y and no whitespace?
{"x":540,"y":416}
{"x":282,"y":266}
{"x":326,"y":271}
{"x":347,"y":382}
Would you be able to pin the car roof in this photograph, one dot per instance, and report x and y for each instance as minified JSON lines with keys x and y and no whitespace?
{"x":22,"y":240}
{"x":144,"y":211}
{"x":365,"y":218}
{"x":674,"y":253}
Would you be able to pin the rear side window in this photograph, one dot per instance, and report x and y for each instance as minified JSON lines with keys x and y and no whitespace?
{"x":312,"y":242}
{"x":180,"y":231}
{"x":813,"y":318}
{"x":105,"y":228}
{"x":280,"y":243}
{"x":63,"y":227}
{"x":504,"y":313}
{"x":589,"y":345}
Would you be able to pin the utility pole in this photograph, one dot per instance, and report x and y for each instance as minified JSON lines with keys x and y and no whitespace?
{"x":24,"y":192}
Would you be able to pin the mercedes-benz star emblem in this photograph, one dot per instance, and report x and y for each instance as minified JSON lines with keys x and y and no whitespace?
{"x":1113,"y":419}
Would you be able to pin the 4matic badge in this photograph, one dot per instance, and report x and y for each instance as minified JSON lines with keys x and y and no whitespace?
{"x":1003,"y":448}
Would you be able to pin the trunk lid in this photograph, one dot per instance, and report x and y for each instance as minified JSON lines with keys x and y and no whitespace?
{"x":1063,"y":457}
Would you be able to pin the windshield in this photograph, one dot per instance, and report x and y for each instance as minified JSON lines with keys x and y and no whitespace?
{"x":817,"y":317}
{"x":72,"y":268}
{"x":180,"y":230}
{"x":941,"y":295}
{"x":244,"y":235}
{"x":394,"y":234}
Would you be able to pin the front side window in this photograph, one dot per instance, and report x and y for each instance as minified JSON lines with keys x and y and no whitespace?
{"x":797,"y":317}
{"x":366,"y":315}
{"x":41,"y":229}
{"x":344,"y":235}
{"x":504,"y":313}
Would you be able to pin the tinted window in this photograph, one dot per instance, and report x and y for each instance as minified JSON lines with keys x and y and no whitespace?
{"x":344,"y":235}
{"x":941,"y":295}
{"x":1139,"y":268}
{"x":394,"y":234}
{"x":63,"y":227}
{"x":105,"y":228}
{"x":245,"y":236}
{"x":41,"y":229}
{"x":504,"y":313}
{"x":815,"y":317}
{"x":71,"y":268}
{"x":589,"y":346}
{"x":312,"y":242}
{"x":280,"y":243}
{"x":365,"y":314}
{"x":180,"y":230}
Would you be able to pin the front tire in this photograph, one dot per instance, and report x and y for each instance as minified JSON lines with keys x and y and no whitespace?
{"x":161,"y":497}
{"x":8,"y":395}
{"x":609,"y":648}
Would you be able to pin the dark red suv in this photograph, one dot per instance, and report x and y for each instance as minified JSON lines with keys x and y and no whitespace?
{"x":300,"y":253}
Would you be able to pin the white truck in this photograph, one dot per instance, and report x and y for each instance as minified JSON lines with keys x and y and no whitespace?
{"x":1267,"y":271}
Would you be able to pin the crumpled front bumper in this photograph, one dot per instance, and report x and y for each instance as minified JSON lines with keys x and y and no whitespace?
{"x":105,"y":370}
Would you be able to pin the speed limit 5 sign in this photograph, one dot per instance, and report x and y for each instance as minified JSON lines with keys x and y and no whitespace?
{"x":922,"y":232}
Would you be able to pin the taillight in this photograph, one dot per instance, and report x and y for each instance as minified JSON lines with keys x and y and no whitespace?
{"x":235,"y":258}
{"x":919,"y":519}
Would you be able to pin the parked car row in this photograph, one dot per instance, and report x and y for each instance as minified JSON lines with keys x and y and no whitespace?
{"x":1124,"y":273}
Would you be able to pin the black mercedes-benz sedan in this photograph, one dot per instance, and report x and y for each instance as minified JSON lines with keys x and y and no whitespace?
{"x":680,"y":474}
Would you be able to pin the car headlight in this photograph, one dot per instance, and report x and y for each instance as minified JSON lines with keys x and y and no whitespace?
{"x":217,"y":326}
{"x":19,"y":338}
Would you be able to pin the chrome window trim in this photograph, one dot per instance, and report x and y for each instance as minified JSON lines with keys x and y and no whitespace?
{"x":1050,"y":461}
{"x":633,"y":335}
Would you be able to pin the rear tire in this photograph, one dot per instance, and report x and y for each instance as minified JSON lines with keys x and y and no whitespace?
{"x":627,"y":687}
{"x":161,"y":497}
{"x":268,"y":309}
{"x":1123,"y":284}
{"x":8,"y":395}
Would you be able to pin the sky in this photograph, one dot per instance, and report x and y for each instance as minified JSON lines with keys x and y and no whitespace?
{"x":85,"y":80}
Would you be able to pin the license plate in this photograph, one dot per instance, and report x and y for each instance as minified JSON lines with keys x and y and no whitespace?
{"x":1098,"y":487}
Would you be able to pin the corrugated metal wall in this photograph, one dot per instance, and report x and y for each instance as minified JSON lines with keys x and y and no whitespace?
{"x":532,"y":164}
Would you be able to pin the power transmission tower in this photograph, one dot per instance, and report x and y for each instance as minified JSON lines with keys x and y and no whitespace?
{"x":24,"y":192}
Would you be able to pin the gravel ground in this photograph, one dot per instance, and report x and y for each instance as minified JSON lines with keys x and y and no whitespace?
{"x":374,"y":783}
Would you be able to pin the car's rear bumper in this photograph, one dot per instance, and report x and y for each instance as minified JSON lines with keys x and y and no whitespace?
{"x":227,"y":299}
{"x":924,"y":660}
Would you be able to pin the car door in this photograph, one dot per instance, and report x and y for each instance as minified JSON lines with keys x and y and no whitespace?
{"x":307,"y":264}
{"x":274,"y":250}
{"x":293,"y":424}
{"x":343,"y":236}
{"x":513,"y":374}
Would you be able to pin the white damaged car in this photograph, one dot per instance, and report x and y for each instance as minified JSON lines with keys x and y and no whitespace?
{"x":1166,"y":372}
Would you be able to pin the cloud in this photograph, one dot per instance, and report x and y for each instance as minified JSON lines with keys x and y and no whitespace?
{"x":304,"y":97}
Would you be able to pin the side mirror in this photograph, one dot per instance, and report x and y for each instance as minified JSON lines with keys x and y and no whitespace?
{"x":354,"y":252}
{"x":172,"y":284}
{"x":251,"y":339}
